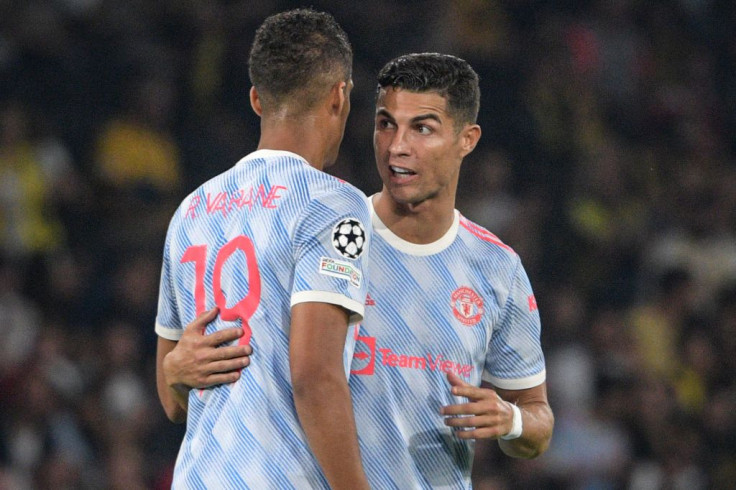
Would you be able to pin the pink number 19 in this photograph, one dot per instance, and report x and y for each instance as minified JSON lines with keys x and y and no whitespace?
{"x":243,"y":309}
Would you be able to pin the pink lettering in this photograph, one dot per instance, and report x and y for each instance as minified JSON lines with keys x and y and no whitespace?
{"x":223,"y":202}
{"x":249,"y":200}
{"x":433,"y":362}
{"x":430,"y":363}
{"x":192,"y":207}
{"x":272,"y":196}
{"x":532,"y":303}
{"x":463,"y":370}
{"x":446,"y":366}
{"x":217,"y":204}
{"x":236,"y":199}
{"x":388,"y":358}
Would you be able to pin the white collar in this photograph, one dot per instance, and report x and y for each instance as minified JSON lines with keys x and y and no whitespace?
{"x":420,"y":249}
{"x":266,"y":153}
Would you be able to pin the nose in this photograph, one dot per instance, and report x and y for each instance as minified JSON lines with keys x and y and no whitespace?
{"x":399,"y":144}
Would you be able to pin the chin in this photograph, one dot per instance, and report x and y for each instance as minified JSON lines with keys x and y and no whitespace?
{"x":403,"y":197}
{"x":329,"y":161}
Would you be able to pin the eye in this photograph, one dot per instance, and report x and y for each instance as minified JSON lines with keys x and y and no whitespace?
{"x":384,"y":124}
{"x":423,"y":129}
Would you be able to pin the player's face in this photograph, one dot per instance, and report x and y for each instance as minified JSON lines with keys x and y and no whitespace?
{"x":418,"y":151}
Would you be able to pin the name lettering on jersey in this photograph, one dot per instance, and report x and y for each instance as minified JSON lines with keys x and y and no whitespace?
{"x":467,"y":306}
{"x":340,"y":269}
{"x":364,"y":362}
{"x":226,"y":202}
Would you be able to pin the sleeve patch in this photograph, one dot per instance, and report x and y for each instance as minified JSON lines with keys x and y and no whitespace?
{"x":340,"y":269}
{"x":348,"y":238}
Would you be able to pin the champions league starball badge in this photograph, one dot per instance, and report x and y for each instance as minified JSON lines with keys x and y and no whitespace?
{"x":348,"y":238}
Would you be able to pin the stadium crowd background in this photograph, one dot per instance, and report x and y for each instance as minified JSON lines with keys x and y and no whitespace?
{"x":607,"y":162}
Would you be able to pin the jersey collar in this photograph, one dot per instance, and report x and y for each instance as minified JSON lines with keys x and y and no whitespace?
{"x":266,"y":153}
{"x":420,"y":249}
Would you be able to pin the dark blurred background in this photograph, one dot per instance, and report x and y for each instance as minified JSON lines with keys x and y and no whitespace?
{"x":607,"y":162}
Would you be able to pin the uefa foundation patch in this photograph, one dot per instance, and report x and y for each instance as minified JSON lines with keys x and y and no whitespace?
{"x":340,"y":269}
{"x":348,"y":238}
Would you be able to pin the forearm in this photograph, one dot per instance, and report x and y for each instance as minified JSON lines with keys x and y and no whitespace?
{"x":180,"y":394}
{"x":538,"y":423}
{"x":325,"y":413}
{"x":174,"y":400}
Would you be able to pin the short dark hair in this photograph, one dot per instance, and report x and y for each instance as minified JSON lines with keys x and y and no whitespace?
{"x":296,"y":54}
{"x":451,"y":77}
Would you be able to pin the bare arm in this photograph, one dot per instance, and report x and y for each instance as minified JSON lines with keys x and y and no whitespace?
{"x":321,"y":393}
{"x":172,"y":399}
{"x":538,"y":422}
{"x":491,"y":416}
{"x":196,"y":361}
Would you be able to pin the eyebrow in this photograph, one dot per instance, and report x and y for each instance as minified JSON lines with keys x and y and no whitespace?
{"x":415,"y":119}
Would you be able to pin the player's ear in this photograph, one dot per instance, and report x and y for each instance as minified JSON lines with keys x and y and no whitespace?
{"x":338,"y":97}
{"x":255,"y":101}
{"x":469,"y":137}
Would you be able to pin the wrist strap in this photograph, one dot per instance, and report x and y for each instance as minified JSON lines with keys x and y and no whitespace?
{"x":517,"y":425}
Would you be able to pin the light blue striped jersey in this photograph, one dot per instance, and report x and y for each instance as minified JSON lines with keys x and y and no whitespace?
{"x":255,"y":240}
{"x":462,"y":304}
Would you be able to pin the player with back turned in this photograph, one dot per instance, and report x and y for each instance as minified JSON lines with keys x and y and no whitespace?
{"x":279,"y":247}
{"x":448,"y":356}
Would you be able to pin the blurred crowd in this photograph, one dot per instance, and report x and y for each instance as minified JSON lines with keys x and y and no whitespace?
{"x":606,"y":162}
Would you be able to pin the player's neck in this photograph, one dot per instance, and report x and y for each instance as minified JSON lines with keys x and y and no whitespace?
{"x":421,"y":223}
{"x":303,"y":136}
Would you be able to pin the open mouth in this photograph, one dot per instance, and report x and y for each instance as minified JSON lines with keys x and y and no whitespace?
{"x":400,"y":171}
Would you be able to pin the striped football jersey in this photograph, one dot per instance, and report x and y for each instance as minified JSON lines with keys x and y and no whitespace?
{"x":462,"y":304}
{"x":268,"y":233}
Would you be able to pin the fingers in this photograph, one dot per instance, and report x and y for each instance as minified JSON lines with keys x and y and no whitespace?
{"x":217,"y":372}
{"x":236,"y":353}
{"x":461,"y":388}
{"x":480,"y":433}
{"x":456,"y":380}
{"x":200,"y":323}
{"x":473,"y":421}
{"x":480,"y":426}
{"x":461,"y":409}
{"x":474,"y":392}
{"x":221,"y":367}
{"x":222,"y":378}
{"x":223,"y":336}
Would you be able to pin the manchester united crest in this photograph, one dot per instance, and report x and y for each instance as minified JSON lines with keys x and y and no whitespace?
{"x":467,"y":306}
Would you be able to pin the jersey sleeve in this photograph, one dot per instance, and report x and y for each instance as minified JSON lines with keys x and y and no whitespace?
{"x":168,"y":323}
{"x":332,"y":241}
{"x":515,"y":360}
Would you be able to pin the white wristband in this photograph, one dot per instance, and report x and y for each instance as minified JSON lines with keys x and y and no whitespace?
{"x":516,"y":425}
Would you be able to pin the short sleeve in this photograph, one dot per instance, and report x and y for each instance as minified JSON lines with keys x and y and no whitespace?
{"x":168,"y":323}
{"x":332,"y":242}
{"x":515,"y":360}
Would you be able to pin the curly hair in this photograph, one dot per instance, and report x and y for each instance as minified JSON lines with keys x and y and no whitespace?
{"x":296,"y":56}
{"x":449,"y":76}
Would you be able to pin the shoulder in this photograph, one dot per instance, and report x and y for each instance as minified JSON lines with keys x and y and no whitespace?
{"x":487,"y":254}
{"x":485,"y":242}
{"x":319,"y":182}
{"x":332,"y":192}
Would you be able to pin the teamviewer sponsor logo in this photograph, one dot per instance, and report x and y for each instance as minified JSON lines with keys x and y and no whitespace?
{"x":364,"y":360}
